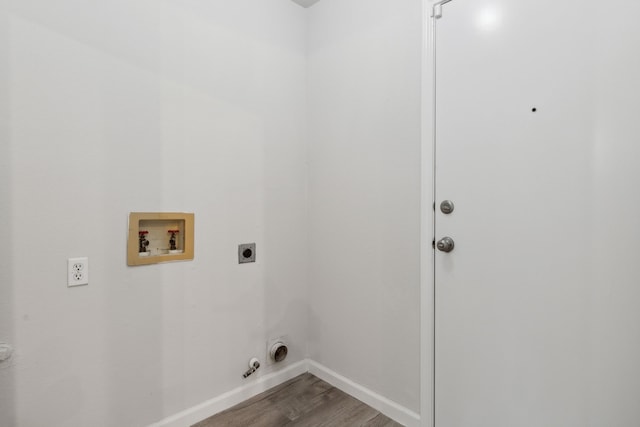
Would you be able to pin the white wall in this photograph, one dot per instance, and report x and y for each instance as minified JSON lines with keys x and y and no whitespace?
{"x":119,"y":106}
{"x":364,"y":193}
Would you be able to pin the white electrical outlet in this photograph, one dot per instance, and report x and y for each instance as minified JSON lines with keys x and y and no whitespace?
{"x":78,"y":271}
{"x":5,"y":351}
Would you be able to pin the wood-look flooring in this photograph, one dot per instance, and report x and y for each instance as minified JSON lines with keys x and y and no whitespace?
{"x":304,"y":401}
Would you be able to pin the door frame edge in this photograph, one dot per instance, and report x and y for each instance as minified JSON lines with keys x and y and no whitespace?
{"x":427,"y":219}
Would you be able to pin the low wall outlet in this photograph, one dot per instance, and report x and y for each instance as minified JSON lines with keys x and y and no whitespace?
{"x":77,"y":271}
{"x":5,"y":351}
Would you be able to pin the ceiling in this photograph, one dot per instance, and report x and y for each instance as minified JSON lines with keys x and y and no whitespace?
{"x":306,"y":3}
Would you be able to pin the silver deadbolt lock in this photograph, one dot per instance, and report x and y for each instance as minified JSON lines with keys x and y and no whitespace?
{"x":446,"y":207}
{"x":445,"y":244}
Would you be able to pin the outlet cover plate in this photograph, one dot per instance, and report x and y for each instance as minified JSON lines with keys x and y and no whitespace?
{"x":77,"y":271}
{"x":246,"y":253}
{"x":5,"y":351}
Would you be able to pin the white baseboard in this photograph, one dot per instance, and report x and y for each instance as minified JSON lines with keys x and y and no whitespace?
{"x":380,"y":403}
{"x":226,"y":400}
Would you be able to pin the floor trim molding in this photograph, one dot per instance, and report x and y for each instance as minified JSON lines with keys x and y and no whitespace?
{"x":378,"y":402}
{"x":226,"y":400}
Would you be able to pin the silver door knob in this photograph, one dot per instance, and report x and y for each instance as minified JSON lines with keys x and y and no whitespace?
{"x":445,"y":244}
{"x":447,"y":207}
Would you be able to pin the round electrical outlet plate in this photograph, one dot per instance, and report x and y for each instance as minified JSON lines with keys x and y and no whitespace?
{"x":5,"y":351}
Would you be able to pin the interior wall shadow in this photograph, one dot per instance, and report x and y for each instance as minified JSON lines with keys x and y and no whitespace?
{"x":7,"y":334}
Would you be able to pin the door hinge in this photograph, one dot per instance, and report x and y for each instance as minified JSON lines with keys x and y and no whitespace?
{"x":436,"y":11}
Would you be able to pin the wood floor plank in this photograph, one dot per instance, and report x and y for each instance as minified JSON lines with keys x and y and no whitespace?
{"x":307,"y":396}
{"x":304,"y":401}
{"x":335,"y":406}
{"x":381,"y":420}
{"x":260,"y":414}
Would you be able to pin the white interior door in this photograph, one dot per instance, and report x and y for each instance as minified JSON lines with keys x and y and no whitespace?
{"x":537,"y":317}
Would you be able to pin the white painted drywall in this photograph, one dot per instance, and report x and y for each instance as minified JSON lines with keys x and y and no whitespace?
{"x":202,"y":107}
{"x":364,"y":193}
{"x":119,"y":106}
